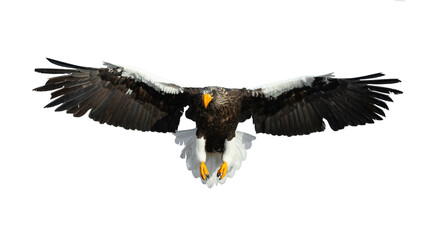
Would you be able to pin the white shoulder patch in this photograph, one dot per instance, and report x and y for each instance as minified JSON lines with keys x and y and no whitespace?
{"x":159,"y":84}
{"x":276,"y":89}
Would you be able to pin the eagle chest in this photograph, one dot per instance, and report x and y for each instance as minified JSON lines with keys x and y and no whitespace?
{"x":218,"y":118}
{"x":217,"y":121}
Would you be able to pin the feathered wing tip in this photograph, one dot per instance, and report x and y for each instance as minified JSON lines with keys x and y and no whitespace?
{"x":68,"y":65}
{"x":239,"y":144}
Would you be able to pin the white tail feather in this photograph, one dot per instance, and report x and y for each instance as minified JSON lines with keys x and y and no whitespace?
{"x":236,"y":153}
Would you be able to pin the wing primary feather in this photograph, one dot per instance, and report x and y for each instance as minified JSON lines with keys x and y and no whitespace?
{"x":64,"y":91}
{"x":378,"y":110}
{"x":69,"y":97}
{"x":58,"y":79}
{"x":80,"y":74}
{"x":384,"y":90}
{"x":78,"y":98}
{"x":67,"y":84}
{"x":381,"y":96}
{"x":380,"y":81}
{"x":54,"y":70}
{"x":378,"y":103}
{"x":77,"y":82}
{"x":364,"y":91}
{"x":63,"y":64}
{"x":375,"y":116}
{"x":359,"y":97}
{"x":56,"y":102}
{"x":50,"y":87}
{"x":371,"y":115}
{"x":375,"y":75}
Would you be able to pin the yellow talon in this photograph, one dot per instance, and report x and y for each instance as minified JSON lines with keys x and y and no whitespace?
{"x":203,"y":171}
{"x":222,"y":170}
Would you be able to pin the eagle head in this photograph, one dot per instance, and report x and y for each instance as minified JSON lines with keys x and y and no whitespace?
{"x":215,"y":96}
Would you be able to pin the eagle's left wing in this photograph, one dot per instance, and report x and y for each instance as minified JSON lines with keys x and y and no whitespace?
{"x":298,"y":106}
{"x":117,"y":96}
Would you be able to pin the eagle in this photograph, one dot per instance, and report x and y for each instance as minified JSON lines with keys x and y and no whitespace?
{"x":214,"y":150}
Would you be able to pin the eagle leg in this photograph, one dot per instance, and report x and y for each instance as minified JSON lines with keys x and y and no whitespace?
{"x":203,"y":171}
{"x":222,"y":171}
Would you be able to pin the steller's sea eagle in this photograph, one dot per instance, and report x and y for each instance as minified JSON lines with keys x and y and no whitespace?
{"x":214,"y":150}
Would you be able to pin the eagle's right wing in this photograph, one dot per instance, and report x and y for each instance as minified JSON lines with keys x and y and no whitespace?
{"x":117,"y":96}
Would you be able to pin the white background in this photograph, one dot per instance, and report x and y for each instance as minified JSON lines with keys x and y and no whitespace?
{"x":68,"y":178}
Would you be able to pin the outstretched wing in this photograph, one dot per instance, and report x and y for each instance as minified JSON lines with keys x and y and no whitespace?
{"x":299,"y":106}
{"x":116,"y":95}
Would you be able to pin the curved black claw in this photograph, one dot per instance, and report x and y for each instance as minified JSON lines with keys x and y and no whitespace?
{"x":222,"y":171}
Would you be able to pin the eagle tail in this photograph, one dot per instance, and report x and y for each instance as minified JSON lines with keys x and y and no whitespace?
{"x":241,"y":142}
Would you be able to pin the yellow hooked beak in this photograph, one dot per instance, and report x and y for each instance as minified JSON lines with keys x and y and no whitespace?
{"x":206,"y":99}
